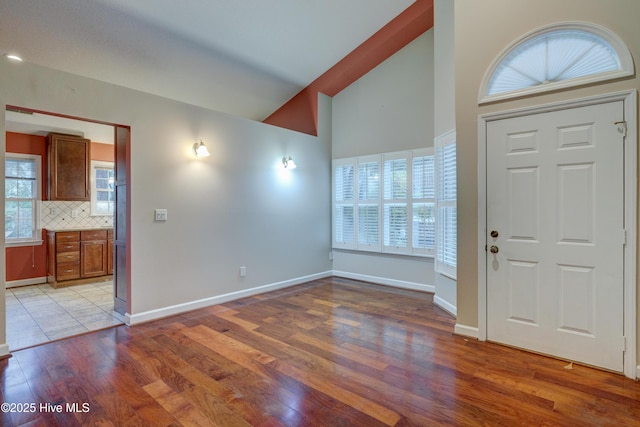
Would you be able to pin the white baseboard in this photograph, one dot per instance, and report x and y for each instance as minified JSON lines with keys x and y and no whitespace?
{"x":467,"y":331}
{"x":637,"y":372}
{"x":4,"y":351}
{"x":445,"y":305}
{"x":25,"y":282}
{"x":137,"y":318}
{"x":388,"y":282}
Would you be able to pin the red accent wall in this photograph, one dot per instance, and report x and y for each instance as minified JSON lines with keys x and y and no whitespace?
{"x":300,"y":113}
{"x":27,"y":262}
{"x":103,"y":152}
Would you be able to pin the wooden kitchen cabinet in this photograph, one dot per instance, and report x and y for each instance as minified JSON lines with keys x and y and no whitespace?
{"x":82,"y":256}
{"x":93,"y":253}
{"x":68,"y":174}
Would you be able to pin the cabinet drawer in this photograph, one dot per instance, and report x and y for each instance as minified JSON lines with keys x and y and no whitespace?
{"x":68,"y":257}
{"x":93,"y":235}
{"x":67,"y":236}
{"x":67,"y":247}
{"x":68,"y":271}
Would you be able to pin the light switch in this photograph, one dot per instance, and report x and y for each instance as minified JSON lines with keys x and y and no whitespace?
{"x":160,"y":214}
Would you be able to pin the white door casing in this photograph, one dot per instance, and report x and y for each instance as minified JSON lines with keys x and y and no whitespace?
{"x":558,"y":275}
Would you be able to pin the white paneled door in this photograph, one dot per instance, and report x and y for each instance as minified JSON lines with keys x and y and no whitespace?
{"x":555,"y":233}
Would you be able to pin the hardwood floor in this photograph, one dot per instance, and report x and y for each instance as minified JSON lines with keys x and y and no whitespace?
{"x":333,"y":352}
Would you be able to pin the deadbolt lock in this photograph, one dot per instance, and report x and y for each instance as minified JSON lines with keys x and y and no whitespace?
{"x":494,"y":233}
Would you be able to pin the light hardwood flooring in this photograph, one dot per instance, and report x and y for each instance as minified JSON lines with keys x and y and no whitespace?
{"x":39,"y":313}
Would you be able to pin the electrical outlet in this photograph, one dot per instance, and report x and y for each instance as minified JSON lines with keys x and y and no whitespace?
{"x":243,"y":271}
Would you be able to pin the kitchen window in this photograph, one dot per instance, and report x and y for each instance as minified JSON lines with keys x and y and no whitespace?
{"x":23,"y":193}
{"x":102,"y":188}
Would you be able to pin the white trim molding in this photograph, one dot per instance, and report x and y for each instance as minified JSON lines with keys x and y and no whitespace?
{"x":386,"y":281}
{"x":445,"y":305}
{"x":4,"y":351}
{"x":147,"y":316}
{"x":629,"y":98}
{"x":465,"y":331}
{"x":25,"y":282}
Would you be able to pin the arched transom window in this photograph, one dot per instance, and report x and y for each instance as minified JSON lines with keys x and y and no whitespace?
{"x":554,"y":57}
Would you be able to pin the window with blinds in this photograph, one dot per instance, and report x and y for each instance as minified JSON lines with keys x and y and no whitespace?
{"x":344,"y":204}
{"x":395,"y":204}
{"x":22,"y":197}
{"x":368,"y":220}
{"x":423,"y":218}
{"x":446,"y":205}
{"x":394,"y":210}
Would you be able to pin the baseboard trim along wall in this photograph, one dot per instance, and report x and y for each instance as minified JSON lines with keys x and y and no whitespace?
{"x":467,"y":331}
{"x":637,"y":371}
{"x":25,"y":282}
{"x":445,"y":305}
{"x":134,"y":319}
{"x":385,"y":281}
{"x":4,"y":351}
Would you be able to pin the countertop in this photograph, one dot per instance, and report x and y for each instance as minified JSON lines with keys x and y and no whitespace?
{"x":58,"y":230}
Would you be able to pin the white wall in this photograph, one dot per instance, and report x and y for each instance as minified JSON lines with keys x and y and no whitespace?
{"x":445,"y":114}
{"x":389,"y":109}
{"x":234,"y":208}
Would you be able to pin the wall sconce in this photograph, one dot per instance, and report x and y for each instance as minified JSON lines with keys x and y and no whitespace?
{"x":288,"y":163}
{"x":200,"y":149}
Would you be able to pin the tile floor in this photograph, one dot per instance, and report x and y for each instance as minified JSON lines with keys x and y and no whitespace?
{"x":39,"y":313}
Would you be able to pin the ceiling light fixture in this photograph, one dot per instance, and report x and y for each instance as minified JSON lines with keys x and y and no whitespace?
{"x":13,"y":57}
{"x":288,"y":163}
{"x":200,"y":149}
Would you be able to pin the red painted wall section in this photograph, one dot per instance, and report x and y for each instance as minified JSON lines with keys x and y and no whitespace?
{"x":27,"y":262}
{"x":103,"y":152}
{"x":297,"y":114}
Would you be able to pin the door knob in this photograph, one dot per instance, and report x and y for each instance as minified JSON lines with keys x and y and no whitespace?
{"x":494,"y":233}
{"x":494,"y":249}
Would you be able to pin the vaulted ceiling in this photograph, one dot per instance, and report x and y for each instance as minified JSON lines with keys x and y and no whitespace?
{"x":242,"y":57}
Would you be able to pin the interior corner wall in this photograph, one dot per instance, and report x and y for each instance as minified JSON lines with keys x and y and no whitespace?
{"x":238,"y":207}
{"x":388,"y":109}
{"x":475,"y":49}
{"x":445,"y":115}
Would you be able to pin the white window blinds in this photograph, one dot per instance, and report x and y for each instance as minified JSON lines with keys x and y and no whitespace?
{"x":388,"y":205}
{"x":423,"y":221}
{"x":344,"y":204}
{"x":368,"y":219}
{"x":446,"y":204}
{"x":395,"y":205}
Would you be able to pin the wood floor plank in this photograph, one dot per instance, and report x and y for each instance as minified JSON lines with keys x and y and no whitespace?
{"x":330,"y":352}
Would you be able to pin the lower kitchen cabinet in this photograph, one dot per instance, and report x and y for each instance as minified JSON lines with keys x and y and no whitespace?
{"x":78,"y":256}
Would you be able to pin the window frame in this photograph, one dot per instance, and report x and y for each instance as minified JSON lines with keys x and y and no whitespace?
{"x":36,"y":236}
{"x":380,"y":202}
{"x":624,"y":56}
{"x":95,"y":165}
{"x":444,"y":202}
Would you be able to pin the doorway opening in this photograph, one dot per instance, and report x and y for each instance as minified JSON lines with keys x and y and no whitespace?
{"x":66,"y":259}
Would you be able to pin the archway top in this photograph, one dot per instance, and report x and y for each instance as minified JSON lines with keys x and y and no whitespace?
{"x":554,"y":57}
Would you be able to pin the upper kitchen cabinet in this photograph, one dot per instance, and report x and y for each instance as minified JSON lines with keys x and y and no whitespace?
{"x":68,"y":176}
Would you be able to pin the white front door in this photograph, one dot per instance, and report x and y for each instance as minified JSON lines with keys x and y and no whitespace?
{"x":555,"y":233}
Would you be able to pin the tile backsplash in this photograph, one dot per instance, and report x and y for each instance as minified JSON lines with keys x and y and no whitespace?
{"x":56,"y":215}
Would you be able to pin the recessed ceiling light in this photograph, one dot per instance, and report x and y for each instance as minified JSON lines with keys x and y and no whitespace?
{"x":14,"y":57}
